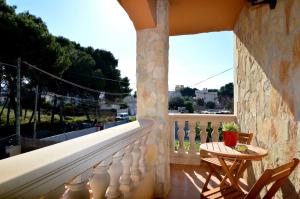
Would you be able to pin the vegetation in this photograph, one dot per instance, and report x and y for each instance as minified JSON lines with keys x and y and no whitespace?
{"x":189,"y":106}
{"x":225,"y":98}
{"x":26,"y":36}
{"x":176,"y":102}
{"x":230,"y":127}
{"x":200,"y":102}
{"x":188,"y":92}
{"x":186,"y":145}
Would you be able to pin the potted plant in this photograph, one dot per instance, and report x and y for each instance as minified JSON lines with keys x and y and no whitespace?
{"x":230,"y":133}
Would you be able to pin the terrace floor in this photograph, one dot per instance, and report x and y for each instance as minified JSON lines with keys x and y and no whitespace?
{"x":187,"y":181}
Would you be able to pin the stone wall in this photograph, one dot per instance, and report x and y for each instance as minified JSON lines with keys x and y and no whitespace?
{"x":267,"y":85}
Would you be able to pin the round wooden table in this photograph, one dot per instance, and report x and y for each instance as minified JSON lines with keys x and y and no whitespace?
{"x":241,"y":158}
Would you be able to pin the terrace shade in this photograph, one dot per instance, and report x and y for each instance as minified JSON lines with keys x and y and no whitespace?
{"x":186,"y":16}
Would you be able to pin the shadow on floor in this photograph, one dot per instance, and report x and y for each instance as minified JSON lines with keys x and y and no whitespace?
{"x":187,"y":181}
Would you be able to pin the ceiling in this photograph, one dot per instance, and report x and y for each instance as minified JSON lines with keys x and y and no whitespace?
{"x":186,"y":16}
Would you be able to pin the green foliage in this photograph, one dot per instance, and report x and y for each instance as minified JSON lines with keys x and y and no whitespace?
{"x":231,"y":127}
{"x":198,"y":130}
{"x":225,"y":96}
{"x":200,"y":102}
{"x":213,"y":90}
{"x":176,"y":102}
{"x":210,"y":105}
{"x":46,"y":105}
{"x":187,"y":91}
{"x":189,"y":106}
{"x":27,"y":36}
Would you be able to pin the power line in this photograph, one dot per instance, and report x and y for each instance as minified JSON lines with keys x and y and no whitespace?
{"x":5,"y":64}
{"x":103,"y":78}
{"x":70,"y":97}
{"x":212,"y":77}
{"x":72,"y":83}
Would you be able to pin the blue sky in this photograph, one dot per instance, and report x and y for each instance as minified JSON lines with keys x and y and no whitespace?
{"x":104,"y":24}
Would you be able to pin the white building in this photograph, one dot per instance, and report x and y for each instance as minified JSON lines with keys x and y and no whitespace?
{"x":131,"y":103}
{"x":173,"y":94}
{"x":206,"y":95}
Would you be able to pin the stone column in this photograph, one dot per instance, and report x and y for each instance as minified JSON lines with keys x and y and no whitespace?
{"x":152,"y":92}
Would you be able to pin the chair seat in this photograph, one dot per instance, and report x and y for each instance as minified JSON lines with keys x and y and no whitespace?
{"x":215,"y":162}
{"x":224,"y":192}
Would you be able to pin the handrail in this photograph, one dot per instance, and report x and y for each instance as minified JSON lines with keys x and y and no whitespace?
{"x":34,"y":174}
{"x":183,"y":132}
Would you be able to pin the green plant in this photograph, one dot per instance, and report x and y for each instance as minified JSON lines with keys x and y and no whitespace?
{"x":231,"y":127}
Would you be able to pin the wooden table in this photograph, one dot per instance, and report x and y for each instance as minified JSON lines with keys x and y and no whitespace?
{"x":240,"y":159}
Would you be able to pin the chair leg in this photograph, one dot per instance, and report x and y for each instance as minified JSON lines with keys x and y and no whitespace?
{"x":206,"y":182}
{"x":211,"y":172}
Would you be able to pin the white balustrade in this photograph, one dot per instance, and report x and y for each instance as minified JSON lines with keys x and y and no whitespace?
{"x":135,"y":171}
{"x":125,"y":180}
{"x":115,"y":171}
{"x":108,"y":160}
{"x":100,"y":179}
{"x":77,"y":188}
{"x":192,"y":135}
{"x":181,"y":134}
{"x":142,"y":162}
{"x":206,"y":132}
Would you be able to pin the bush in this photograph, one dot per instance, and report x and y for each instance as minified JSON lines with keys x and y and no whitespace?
{"x":176,"y":102}
{"x":210,"y":105}
{"x":189,"y":106}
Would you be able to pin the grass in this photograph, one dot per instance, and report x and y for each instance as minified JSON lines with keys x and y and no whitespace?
{"x":186,"y":145}
{"x":46,"y":118}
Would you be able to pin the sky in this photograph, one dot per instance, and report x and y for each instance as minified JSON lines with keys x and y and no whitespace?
{"x":105,"y":25}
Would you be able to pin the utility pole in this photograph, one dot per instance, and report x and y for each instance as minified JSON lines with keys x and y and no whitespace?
{"x":18,"y":132}
{"x":35,"y":109}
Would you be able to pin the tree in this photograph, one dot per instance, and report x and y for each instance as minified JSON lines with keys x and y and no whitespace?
{"x":189,"y":106}
{"x":187,"y":91}
{"x":210,"y":105}
{"x":225,"y":96}
{"x":176,"y":102}
{"x":200,"y":102}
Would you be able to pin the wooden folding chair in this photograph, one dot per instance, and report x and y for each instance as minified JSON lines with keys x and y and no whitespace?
{"x":275,"y":176}
{"x":214,"y":164}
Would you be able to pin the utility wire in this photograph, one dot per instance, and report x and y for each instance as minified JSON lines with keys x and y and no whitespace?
{"x":5,"y":64}
{"x":212,"y":77}
{"x":70,"y":97}
{"x":103,"y":78}
{"x":71,"y":83}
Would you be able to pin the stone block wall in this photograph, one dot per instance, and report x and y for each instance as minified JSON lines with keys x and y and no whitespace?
{"x":267,"y":85}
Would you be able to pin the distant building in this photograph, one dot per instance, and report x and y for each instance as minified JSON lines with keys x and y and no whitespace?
{"x":176,"y":93}
{"x":206,"y":95}
{"x":131,"y":103}
{"x":178,"y":88}
{"x":173,"y":94}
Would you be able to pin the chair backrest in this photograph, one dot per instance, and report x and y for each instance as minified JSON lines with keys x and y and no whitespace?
{"x":276,"y":176}
{"x":245,"y":138}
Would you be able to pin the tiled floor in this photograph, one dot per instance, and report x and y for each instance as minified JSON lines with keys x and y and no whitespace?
{"x":187,"y":181}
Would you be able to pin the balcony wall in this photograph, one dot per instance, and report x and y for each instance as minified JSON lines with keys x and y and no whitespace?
{"x":113,"y":162}
{"x":183,"y":131}
{"x":267,"y":84}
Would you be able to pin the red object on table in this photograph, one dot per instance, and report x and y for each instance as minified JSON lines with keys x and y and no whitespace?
{"x":230,"y":138}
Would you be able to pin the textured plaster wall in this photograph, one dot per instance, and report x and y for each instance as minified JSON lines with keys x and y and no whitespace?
{"x":267,"y":91}
{"x":152,"y":93}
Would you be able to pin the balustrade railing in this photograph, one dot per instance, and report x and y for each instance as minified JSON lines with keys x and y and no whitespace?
{"x":107,"y":164}
{"x":188,"y":131}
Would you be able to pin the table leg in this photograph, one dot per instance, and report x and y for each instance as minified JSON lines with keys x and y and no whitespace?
{"x":242,"y":168}
{"x":228,"y":174}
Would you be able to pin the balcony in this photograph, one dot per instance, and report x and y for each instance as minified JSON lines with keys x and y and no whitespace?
{"x":133,"y":160}
{"x":115,"y":163}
